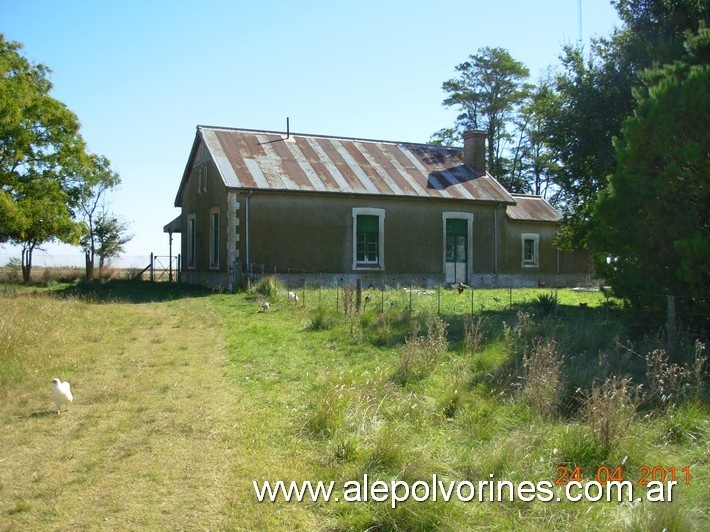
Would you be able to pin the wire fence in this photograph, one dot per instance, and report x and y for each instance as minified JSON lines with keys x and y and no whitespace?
{"x":669,"y":314}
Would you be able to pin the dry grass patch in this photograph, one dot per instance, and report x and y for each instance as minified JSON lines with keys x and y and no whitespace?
{"x":147,"y":441}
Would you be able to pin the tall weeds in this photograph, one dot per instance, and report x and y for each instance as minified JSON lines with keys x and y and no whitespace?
{"x":609,"y":409}
{"x":543,"y":377}
{"x":420,"y":354}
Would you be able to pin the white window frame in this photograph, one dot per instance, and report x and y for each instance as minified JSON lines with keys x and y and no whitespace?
{"x":214,"y":239}
{"x":535,"y":237}
{"x":191,"y":240}
{"x":380,"y":264}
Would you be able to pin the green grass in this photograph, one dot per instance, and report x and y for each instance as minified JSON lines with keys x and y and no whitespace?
{"x":183,"y":398}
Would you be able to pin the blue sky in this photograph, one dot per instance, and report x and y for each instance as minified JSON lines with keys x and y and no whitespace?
{"x":140,"y":75}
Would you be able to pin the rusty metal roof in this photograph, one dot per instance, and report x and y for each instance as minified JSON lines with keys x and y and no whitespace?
{"x":532,"y":209}
{"x":267,"y":160}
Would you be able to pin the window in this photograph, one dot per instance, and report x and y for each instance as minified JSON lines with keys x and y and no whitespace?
{"x":191,"y":226}
{"x":368,"y":238}
{"x":214,"y":238}
{"x":530,"y":243}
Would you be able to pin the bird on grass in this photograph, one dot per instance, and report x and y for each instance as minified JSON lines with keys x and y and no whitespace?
{"x":265,"y":306}
{"x":461,"y":287}
{"x":62,"y":394}
{"x":292,"y":296}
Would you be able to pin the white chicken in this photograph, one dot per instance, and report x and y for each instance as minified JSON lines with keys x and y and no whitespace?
{"x":292,"y":296}
{"x":62,"y":394}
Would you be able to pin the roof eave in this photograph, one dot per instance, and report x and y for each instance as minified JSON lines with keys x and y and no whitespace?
{"x":188,"y":167}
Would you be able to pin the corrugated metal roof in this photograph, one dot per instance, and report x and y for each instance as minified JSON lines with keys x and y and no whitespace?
{"x":532,"y":209}
{"x":310,"y":163}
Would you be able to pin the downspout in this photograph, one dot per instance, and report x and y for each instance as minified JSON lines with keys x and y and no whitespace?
{"x":247,"y":262}
{"x":495,"y":238}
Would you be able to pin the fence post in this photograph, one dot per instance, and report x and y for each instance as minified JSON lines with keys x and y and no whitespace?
{"x":358,"y":294}
{"x":337,"y":296}
{"x":471,"y":301}
{"x":438,"y":301}
{"x":670,"y":325}
{"x":152,"y":266}
{"x":410,"y":300}
{"x":511,"y":298}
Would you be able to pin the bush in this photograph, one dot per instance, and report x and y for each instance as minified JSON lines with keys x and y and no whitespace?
{"x":270,"y":287}
{"x":547,"y":304}
{"x":669,"y":383}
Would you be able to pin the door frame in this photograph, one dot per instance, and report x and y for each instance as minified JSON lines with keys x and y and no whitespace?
{"x":468,"y":216}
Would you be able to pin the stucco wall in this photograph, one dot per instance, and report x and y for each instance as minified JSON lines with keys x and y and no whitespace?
{"x":312,"y":234}
{"x":201,"y":202}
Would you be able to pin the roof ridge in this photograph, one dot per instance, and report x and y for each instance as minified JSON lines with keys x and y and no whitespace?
{"x":336,"y":137}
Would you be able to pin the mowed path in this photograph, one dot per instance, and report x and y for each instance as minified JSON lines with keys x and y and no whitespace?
{"x":150,"y":440}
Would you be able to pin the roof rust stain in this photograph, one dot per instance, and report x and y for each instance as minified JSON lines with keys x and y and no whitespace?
{"x":307,"y":163}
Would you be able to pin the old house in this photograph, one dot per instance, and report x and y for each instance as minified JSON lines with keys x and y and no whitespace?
{"x":328,"y":208}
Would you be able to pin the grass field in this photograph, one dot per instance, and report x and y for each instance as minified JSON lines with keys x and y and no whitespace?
{"x":183,"y":398}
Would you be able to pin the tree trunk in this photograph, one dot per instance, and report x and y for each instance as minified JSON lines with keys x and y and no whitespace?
{"x":27,"y":264}
{"x":89,"y":266}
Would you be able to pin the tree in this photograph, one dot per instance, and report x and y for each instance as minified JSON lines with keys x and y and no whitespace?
{"x":533,"y":162}
{"x":653,"y":231}
{"x":594,"y":96}
{"x":99,"y":179}
{"x":489,"y":88}
{"x":40,"y":215}
{"x":41,"y":152}
{"x":111,"y":236}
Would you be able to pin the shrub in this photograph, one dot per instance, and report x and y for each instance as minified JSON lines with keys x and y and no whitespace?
{"x":547,"y":304}
{"x":270,"y":287}
{"x":668,"y":382}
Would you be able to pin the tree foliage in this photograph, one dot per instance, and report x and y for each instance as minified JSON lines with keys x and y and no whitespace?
{"x":653,"y":231}
{"x":111,"y":235}
{"x":99,"y":179}
{"x":488,"y":90}
{"x":45,"y":170}
{"x":594,"y":95}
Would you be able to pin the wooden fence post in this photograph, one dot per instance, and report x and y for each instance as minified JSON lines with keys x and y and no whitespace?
{"x":358,"y":294}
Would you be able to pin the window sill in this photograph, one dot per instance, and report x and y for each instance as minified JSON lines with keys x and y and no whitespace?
{"x":375,"y":267}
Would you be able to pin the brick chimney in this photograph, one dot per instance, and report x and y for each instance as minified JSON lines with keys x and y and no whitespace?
{"x":474,"y":150}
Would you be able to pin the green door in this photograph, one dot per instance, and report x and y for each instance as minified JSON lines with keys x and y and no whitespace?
{"x":456,"y":250}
